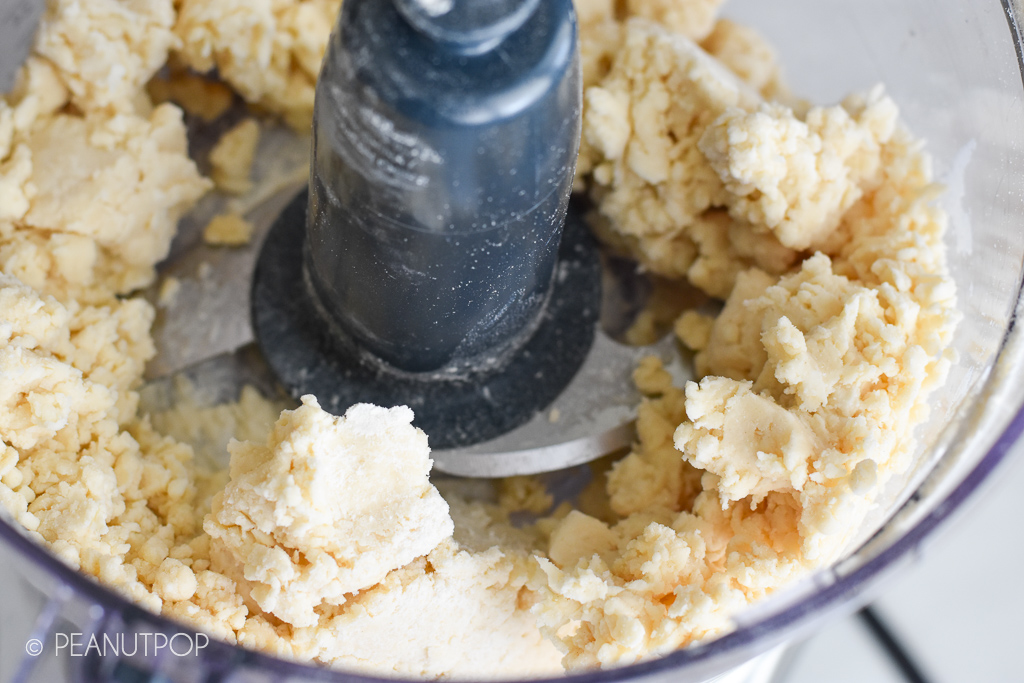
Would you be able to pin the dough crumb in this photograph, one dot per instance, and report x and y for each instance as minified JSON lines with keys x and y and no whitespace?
{"x":169,"y":290}
{"x":201,"y":97}
{"x":693,"y":329}
{"x":526,"y":494}
{"x":228,"y":229}
{"x":231,"y":158}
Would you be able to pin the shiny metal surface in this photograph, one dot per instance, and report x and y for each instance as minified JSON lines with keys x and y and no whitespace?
{"x":18,"y":21}
{"x":204,"y":333}
{"x":591,"y":418}
{"x":209,"y":314}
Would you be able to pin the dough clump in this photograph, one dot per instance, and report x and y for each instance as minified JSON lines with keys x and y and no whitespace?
{"x":269,"y":51}
{"x":349,"y":495}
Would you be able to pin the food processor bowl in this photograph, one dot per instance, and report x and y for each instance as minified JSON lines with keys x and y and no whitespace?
{"x":954,"y":69}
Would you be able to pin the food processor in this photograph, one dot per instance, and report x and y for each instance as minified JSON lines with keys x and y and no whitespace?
{"x":954,"y":68}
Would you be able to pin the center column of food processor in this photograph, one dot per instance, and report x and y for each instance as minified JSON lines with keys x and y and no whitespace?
{"x":435,"y":262}
{"x":444,"y":148}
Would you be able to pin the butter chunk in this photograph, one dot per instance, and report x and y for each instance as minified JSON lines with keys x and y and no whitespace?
{"x":327,"y":507}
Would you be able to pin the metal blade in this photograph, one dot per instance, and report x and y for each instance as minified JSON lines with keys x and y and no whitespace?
{"x":209,"y":314}
{"x":18,"y":22}
{"x":214,"y":381}
{"x":204,"y":335}
{"x":592,"y":418}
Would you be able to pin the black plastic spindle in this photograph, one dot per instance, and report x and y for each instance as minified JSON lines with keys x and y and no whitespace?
{"x":429,"y":266}
{"x":443,"y":155}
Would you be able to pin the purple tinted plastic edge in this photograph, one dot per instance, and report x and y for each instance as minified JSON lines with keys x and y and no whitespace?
{"x":779,"y":624}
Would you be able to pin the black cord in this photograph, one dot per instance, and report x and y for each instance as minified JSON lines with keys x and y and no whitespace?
{"x":892,"y":646}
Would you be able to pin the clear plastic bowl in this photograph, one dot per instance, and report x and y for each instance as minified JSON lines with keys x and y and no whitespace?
{"x":954,"y":68}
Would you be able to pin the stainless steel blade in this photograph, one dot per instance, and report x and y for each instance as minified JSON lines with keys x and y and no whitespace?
{"x":18,"y":22}
{"x":204,"y":334}
{"x":593,"y":417}
{"x":209,"y":314}
{"x":213,"y":381}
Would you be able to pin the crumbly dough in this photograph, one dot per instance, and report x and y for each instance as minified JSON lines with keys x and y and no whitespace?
{"x":192,"y":416}
{"x":748,"y":55}
{"x":130,"y":182}
{"x":811,"y":385}
{"x":798,"y":177}
{"x":93,"y":229}
{"x":106,"y":50}
{"x":270,"y":52}
{"x":525,"y":494}
{"x":326,"y":541}
{"x":658,"y":195}
{"x":601,"y":32}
